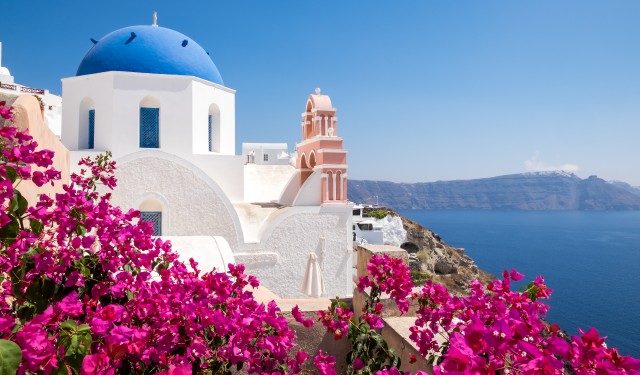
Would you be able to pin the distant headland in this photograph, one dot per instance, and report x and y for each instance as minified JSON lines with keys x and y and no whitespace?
{"x":525,"y":191}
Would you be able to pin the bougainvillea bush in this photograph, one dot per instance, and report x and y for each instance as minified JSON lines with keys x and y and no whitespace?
{"x":493,"y":331}
{"x":84,"y":288}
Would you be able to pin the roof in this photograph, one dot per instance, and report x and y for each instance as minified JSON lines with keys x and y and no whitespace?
{"x":149,"y":49}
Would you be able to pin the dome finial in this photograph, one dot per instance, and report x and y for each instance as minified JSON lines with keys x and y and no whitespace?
{"x":318,"y":91}
{"x":155,"y":19}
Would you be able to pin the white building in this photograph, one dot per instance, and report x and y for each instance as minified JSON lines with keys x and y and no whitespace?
{"x":155,"y":99}
{"x":51,"y":104}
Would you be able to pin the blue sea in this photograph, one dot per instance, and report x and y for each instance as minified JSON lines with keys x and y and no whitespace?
{"x":591,"y":260}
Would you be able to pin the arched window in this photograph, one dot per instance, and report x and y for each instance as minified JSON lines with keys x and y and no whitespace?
{"x":151,"y":211}
{"x":308,"y":121}
{"x":213,"y":128}
{"x":92,"y":128}
{"x":87,"y":124}
{"x":149,"y":123}
{"x":210,"y":129}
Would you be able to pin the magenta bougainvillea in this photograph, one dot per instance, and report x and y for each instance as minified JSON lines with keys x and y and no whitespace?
{"x":493,"y":331}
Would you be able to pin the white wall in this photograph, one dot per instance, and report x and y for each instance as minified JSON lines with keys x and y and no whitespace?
{"x":210,"y":252}
{"x":204,"y":94}
{"x":280,"y":262}
{"x":310,"y":194}
{"x":192,"y":203}
{"x":265,"y":183}
{"x":290,"y":190}
{"x":99,"y":88}
{"x":184,"y":108}
{"x":277,"y":153}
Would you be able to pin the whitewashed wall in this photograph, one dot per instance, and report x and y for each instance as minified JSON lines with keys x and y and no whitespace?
{"x":281,"y":260}
{"x":265,"y":183}
{"x":192,"y":204}
{"x":116,"y":96}
{"x":310,"y":194}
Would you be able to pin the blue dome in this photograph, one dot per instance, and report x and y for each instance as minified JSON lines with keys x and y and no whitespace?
{"x":149,"y":49}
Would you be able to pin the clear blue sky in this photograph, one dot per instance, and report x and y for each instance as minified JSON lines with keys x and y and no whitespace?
{"x":425,"y":90}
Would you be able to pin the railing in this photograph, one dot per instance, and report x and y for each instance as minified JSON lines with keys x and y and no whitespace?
{"x":21,"y":88}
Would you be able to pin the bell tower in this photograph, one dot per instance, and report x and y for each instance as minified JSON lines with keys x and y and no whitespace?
{"x":321,"y":149}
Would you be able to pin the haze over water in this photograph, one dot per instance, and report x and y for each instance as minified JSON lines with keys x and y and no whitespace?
{"x":591,"y":260}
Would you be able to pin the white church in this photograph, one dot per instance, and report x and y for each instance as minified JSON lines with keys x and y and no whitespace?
{"x":155,"y":99}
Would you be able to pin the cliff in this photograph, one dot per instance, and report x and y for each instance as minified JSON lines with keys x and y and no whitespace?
{"x":527,"y":191}
{"x":430,"y":257}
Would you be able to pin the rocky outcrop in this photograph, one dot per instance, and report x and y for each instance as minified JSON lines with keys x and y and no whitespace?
{"x":527,"y":191}
{"x":447,"y":265}
{"x":440,"y":262}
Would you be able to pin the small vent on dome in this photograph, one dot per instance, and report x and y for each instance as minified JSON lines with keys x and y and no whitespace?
{"x":132,"y":37}
{"x":185,"y":42}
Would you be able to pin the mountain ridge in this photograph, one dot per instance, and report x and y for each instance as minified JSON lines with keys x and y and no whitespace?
{"x":555,"y":190}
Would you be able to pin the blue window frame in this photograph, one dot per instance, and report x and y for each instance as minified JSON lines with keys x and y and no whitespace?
{"x":154,"y":217}
{"x":92,"y":128}
{"x":149,"y":127}
{"x":210,"y":133}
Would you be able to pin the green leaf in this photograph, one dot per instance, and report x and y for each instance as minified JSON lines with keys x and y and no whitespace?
{"x":395,"y":361}
{"x":69,"y":325}
{"x":217,"y":342}
{"x":73,"y":349}
{"x":12,"y":175}
{"x":81,"y":230}
{"x":22,"y":203}
{"x":9,"y":232}
{"x":77,"y":342}
{"x":10,"y":357}
{"x":61,"y":370}
{"x":84,"y":328}
{"x":36,"y":226}
{"x":79,"y":347}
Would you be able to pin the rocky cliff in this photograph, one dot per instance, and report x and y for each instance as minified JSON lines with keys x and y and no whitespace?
{"x":430,"y":257}
{"x":527,"y":191}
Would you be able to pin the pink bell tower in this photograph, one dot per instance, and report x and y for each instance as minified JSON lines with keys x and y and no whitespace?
{"x":321,"y":149}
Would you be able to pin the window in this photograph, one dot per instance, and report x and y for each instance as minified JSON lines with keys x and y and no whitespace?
{"x":154,"y":217}
{"x":365,"y":226}
{"x":210,"y":133}
{"x":265,"y":157}
{"x":92,"y":128}
{"x":149,"y":127}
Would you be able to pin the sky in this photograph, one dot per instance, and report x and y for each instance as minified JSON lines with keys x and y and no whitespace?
{"x":425,"y":90}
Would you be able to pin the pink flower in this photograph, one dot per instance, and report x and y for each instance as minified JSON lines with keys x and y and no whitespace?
{"x":183,"y":369}
{"x":96,"y":364}
{"x":374,"y":321}
{"x":325,"y":363}
{"x":358,"y":364}
{"x":295,"y":311}
{"x":6,"y":113}
{"x":618,"y":364}
{"x":6,"y":190}
{"x":71,"y":305}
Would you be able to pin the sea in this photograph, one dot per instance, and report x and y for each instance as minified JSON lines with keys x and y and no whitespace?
{"x":591,"y":260}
